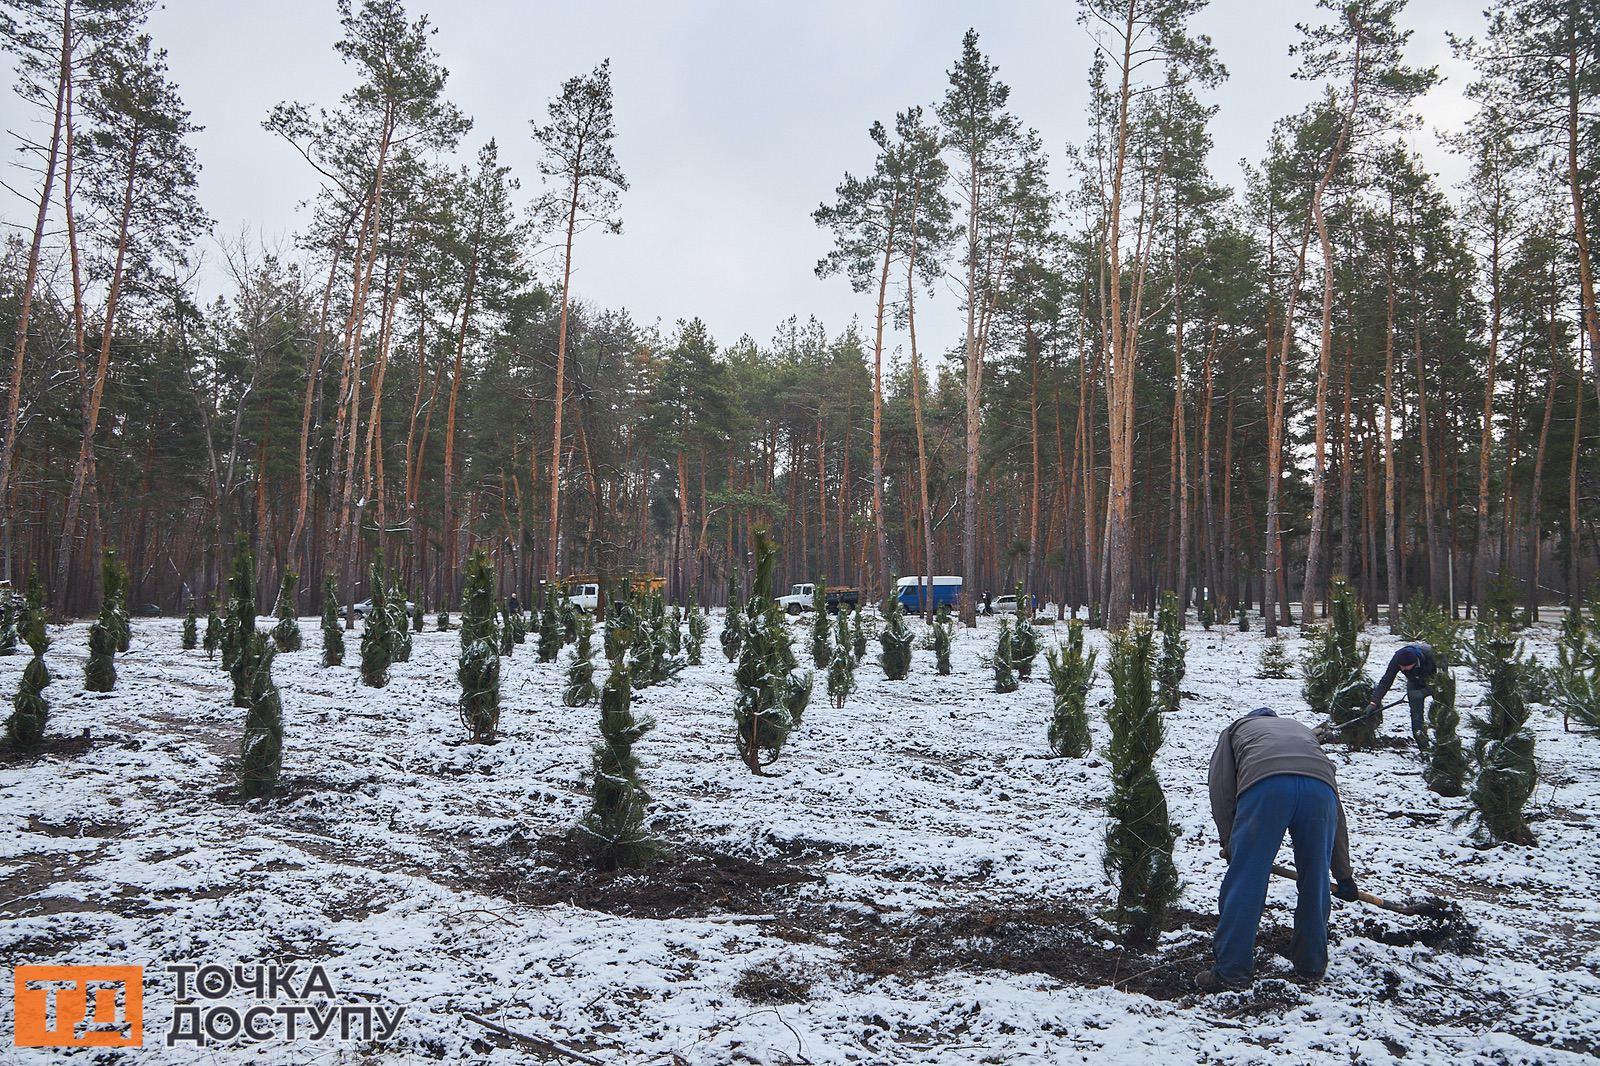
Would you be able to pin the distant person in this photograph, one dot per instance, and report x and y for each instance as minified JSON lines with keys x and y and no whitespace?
{"x":512,"y":605}
{"x":1269,"y":775}
{"x":1417,"y":662}
{"x":988,"y":603}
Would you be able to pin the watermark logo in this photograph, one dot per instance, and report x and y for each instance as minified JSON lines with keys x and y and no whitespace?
{"x":79,"y":1006}
{"x":284,"y":1005}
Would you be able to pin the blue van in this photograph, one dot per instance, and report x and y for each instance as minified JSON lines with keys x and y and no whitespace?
{"x":912,"y":592}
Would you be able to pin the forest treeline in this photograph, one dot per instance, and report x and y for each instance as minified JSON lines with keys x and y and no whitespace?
{"x":1340,"y":368}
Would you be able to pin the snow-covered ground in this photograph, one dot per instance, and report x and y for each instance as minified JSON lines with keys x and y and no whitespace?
{"x":916,"y":882}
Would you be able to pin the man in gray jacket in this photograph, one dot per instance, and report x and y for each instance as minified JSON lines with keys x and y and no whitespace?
{"x":1269,"y":776}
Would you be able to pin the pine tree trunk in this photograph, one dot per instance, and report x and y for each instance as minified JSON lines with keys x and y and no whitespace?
{"x":879,"y":526}
{"x":1430,"y":511}
{"x":974,"y":384}
{"x":19,"y":349}
{"x":1312,"y":587}
{"x":1208,"y":499}
{"x":448,"y":573}
{"x":1575,"y":557}
{"x":1181,"y":585}
{"x":81,"y":468}
{"x":1225,"y":534}
{"x":1346,"y":551}
{"x":1277,"y":385}
{"x":1580,"y":227}
{"x":1532,"y":535}
{"x":1390,"y":531}
{"x":313,"y":373}
{"x":552,"y":559}
{"x":916,"y":413}
{"x":1486,"y":431}
{"x":1031,"y":342}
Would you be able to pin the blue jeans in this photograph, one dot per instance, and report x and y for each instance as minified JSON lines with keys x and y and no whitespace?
{"x":1416,"y":696}
{"x":1308,"y":809}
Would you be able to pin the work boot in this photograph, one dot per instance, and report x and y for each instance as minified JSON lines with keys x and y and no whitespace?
{"x":1207,"y":981}
{"x":1307,"y":980}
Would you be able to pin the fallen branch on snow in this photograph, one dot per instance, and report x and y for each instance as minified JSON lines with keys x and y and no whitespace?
{"x":533,"y":1043}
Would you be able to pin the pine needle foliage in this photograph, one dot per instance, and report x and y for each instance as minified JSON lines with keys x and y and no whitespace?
{"x":641,"y":644}
{"x":10,"y":619}
{"x":114,"y":601}
{"x":1446,"y":772}
{"x":376,"y":647}
{"x":821,"y":644}
{"x":1336,"y":683}
{"x":672,"y":632}
{"x":549,"y":627}
{"x":944,"y":631}
{"x":1171,"y":667}
{"x":213,"y":635}
{"x":240,"y":630}
{"x":332,"y":631}
{"x":507,"y":631}
{"x":1025,"y":640}
{"x":698,"y":629}
{"x":732,"y":636}
{"x":1005,"y":671}
{"x":286,"y":634}
{"x":30,"y":711}
{"x":191,"y":628}
{"x":261,"y":751}
{"x":841,"y":674}
{"x":1416,"y":618}
{"x":615,"y":831}
{"x":1275,"y":663}
{"x":1071,"y":674}
{"x":478,"y":666}
{"x":895,"y":640}
{"x":100,"y":668}
{"x":417,"y":616}
{"x":772,"y":690}
{"x":1577,"y":673}
{"x":665,"y":662}
{"x":1507,"y":771}
{"x":858,"y":635}
{"x":1140,"y":836}
{"x":581,"y":689}
{"x":399,"y":627}
{"x":1499,"y":611}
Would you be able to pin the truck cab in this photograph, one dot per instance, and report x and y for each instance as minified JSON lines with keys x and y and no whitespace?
{"x":799,"y":598}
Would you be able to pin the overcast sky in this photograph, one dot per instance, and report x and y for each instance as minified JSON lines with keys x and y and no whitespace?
{"x":734,"y":119}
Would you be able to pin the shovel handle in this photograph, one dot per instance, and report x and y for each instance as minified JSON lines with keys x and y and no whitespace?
{"x":1329,"y":727}
{"x":1364,"y":897}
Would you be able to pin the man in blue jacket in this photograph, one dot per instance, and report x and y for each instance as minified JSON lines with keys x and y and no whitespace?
{"x":1269,"y":776}
{"x":1417,"y":662}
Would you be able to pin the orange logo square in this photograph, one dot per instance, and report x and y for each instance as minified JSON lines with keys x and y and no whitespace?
{"x":79,"y":1006}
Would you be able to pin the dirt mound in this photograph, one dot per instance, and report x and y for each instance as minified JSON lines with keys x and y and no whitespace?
{"x":1060,"y":939}
{"x":686,"y":882}
{"x":51,"y":747}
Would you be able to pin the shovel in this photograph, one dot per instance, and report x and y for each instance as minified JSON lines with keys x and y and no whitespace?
{"x":1422,"y":907}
